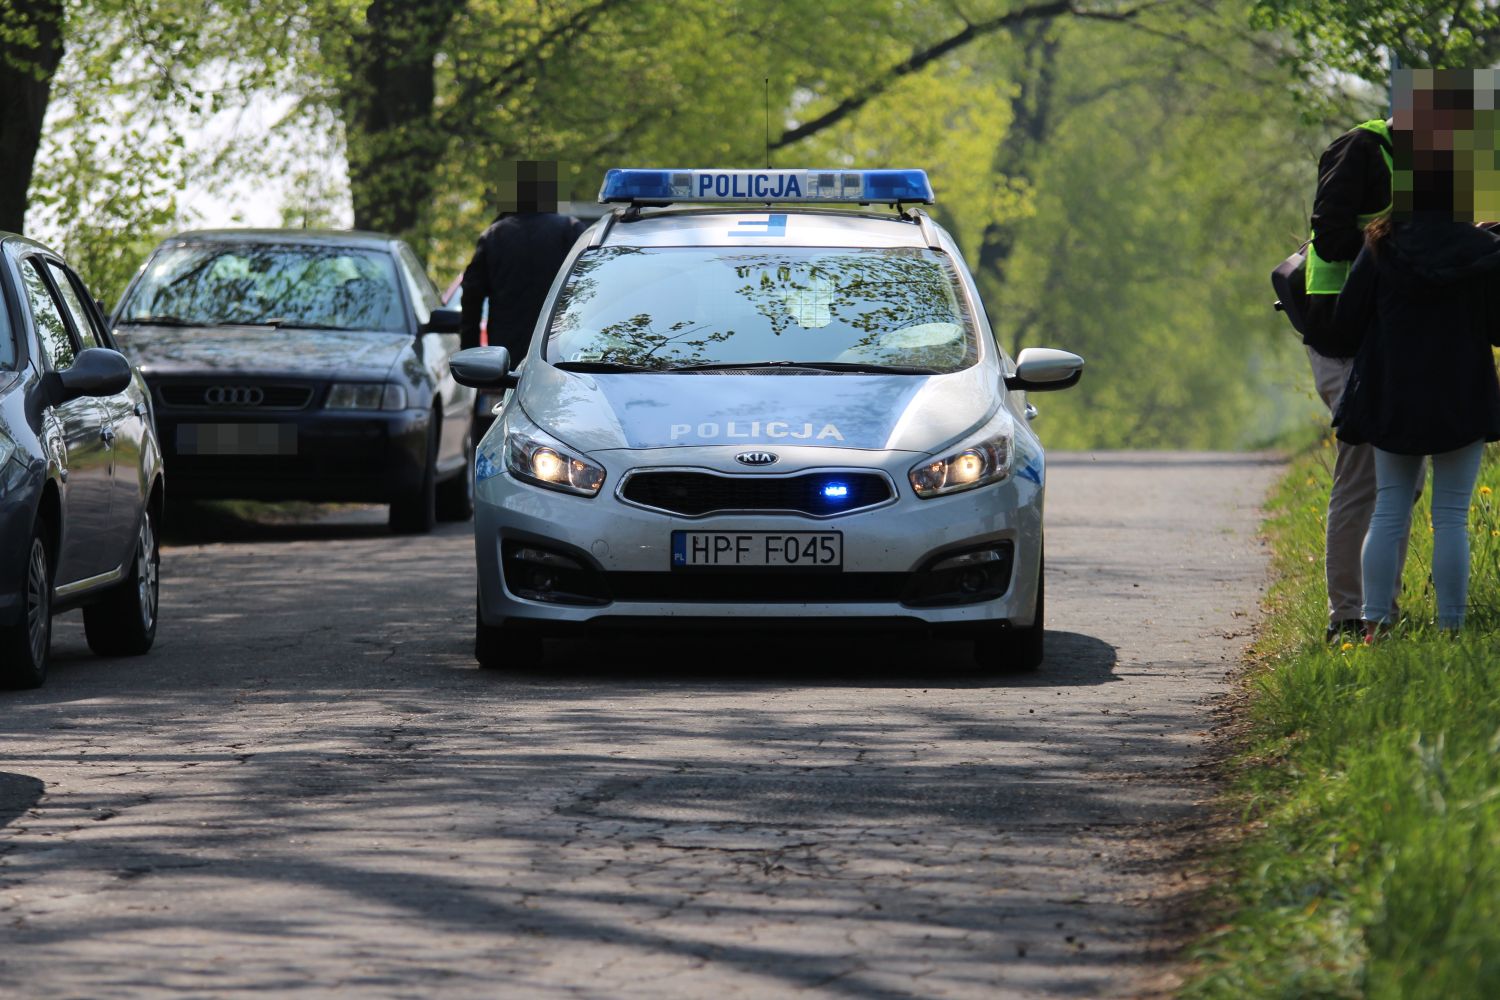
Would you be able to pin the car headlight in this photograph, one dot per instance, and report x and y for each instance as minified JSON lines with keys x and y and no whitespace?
{"x":985,"y":461}
{"x":366,"y":396}
{"x":535,"y":457}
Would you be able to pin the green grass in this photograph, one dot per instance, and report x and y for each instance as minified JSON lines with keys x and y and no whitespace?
{"x":1368,"y":779}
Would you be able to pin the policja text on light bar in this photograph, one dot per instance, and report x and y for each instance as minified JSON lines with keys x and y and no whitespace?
{"x":663,"y":187}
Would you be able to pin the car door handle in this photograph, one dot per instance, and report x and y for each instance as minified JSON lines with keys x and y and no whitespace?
{"x":139,"y":409}
{"x":1031,"y":412}
{"x":107,"y":434}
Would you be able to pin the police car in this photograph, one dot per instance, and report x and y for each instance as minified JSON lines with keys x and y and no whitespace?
{"x":744,"y":407}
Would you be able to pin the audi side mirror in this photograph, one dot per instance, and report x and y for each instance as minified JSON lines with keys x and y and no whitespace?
{"x":483,"y":368}
{"x":1042,"y":369}
{"x":96,"y":371}
{"x":444,"y":321}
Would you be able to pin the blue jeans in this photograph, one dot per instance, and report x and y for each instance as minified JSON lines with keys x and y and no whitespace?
{"x":1453,"y":476}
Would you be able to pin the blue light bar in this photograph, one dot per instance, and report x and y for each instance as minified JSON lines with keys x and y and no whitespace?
{"x":666,"y":187}
{"x":836,"y":491}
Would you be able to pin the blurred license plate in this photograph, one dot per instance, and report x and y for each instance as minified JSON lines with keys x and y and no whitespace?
{"x":786,"y":549}
{"x":236,"y":439}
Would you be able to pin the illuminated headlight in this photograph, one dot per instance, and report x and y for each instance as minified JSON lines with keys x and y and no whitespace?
{"x":986,"y":461}
{"x":534,"y":457}
{"x":366,"y":396}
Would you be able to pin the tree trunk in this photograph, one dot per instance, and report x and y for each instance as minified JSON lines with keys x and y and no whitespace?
{"x":389,"y":120}
{"x":31,"y":46}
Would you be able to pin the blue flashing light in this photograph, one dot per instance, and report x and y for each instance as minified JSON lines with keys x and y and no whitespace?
{"x":664,"y":187}
{"x":835,"y":491}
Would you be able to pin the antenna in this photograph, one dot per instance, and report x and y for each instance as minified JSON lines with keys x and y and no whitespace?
{"x":768,"y":123}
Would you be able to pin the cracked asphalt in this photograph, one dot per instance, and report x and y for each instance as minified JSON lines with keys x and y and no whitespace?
{"x":308,"y":788}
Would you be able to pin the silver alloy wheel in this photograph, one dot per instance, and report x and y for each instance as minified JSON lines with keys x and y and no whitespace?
{"x":147,"y":571}
{"x":38,"y":601}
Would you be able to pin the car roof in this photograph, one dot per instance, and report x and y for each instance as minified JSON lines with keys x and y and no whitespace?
{"x":16,"y":239}
{"x":804,"y":228}
{"x":291,"y":237}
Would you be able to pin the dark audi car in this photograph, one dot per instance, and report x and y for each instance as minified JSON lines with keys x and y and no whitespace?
{"x":302,"y":365}
{"x":80,"y":471}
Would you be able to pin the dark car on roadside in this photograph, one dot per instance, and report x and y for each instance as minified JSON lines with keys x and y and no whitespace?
{"x":302,"y":365}
{"x":80,"y":471}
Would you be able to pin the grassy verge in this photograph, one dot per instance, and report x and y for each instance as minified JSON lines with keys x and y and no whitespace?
{"x":1369,"y":780}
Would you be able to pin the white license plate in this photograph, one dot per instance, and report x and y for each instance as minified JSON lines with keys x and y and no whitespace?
{"x":735,"y":549}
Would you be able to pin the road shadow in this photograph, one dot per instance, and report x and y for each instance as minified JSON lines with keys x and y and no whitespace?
{"x":811,"y":660}
{"x":18,"y":793}
{"x":199,"y":522}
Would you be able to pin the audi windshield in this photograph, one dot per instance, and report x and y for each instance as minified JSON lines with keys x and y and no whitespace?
{"x":686,"y":308}
{"x":277,"y":285}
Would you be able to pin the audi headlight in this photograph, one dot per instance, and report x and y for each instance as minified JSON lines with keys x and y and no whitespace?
{"x":366,"y":396}
{"x":985,"y":461}
{"x":535,"y":457}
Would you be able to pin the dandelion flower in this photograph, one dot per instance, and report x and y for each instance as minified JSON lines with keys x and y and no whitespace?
{"x":1347,"y":646}
{"x":1485,"y":491}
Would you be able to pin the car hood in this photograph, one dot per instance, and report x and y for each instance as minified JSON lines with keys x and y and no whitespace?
{"x":249,"y":350}
{"x":914,"y":413}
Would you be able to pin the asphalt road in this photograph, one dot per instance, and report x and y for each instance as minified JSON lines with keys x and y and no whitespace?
{"x":309,"y":789}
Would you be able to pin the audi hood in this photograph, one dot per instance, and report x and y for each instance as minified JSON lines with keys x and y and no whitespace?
{"x":258,"y":350}
{"x":914,"y":413}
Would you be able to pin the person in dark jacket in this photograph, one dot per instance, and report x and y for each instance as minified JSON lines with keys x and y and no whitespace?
{"x":1422,"y":309}
{"x":516,"y":260}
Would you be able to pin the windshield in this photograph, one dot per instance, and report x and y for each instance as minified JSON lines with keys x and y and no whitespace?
{"x":662,"y":308}
{"x":326,"y":287}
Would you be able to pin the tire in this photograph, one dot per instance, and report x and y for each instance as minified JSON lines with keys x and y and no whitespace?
{"x":498,"y":648}
{"x":1017,"y":650}
{"x":455,"y":497}
{"x":123,"y":622}
{"x":25,"y":647}
{"x":416,"y":512}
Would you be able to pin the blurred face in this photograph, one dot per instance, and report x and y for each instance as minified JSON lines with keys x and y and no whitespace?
{"x":1446,"y":135}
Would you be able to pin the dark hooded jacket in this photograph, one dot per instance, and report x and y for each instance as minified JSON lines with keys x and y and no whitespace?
{"x":513,"y":266}
{"x":1420,"y":314}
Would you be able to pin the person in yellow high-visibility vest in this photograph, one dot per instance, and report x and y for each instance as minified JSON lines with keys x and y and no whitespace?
{"x":1354,"y":188}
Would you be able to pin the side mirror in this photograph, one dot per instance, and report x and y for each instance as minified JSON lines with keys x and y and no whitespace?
{"x":483,"y":368}
{"x":96,"y":371}
{"x":444,"y":321}
{"x":1041,"y":369}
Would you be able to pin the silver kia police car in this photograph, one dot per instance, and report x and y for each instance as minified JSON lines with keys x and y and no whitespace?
{"x":759,"y":414}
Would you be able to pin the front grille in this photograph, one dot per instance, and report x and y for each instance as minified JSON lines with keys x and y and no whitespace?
{"x":234,"y":396}
{"x":696,"y":493}
{"x":756,"y":587}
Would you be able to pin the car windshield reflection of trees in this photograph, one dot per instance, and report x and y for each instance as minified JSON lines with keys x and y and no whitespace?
{"x":321,"y":287}
{"x":664,"y":308}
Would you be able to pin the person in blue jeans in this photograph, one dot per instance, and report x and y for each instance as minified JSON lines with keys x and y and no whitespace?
{"x":1421,"y":311}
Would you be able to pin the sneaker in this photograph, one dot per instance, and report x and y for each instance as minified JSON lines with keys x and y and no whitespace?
{"x":1349,"y":628}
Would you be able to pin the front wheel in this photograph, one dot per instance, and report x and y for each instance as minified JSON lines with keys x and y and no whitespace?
{"x":123,"y":622}
{"x":1016,"y":650}
{"x":455,"y":498}
{"x":415,"y":512}
{"x":25,"y":645}
{"x":499,"y":648}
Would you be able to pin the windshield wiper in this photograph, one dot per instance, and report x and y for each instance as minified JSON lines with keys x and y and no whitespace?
{"x":293,"y":324}
{"x":161,"y":321}
{"x":856,"y":367}
{"x":602,"y":367}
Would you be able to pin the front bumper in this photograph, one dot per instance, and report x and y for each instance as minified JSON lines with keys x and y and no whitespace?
{"x":354,"y":456}
{"x":625,"y":553}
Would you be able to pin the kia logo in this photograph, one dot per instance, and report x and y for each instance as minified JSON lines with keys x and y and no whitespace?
{"x":755,"y":458}
{"x":234,"y":395}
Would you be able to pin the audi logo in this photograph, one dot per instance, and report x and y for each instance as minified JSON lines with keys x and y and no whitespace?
{"x":234,"y":395}
{"x":755,"y":458}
